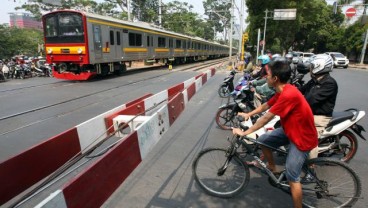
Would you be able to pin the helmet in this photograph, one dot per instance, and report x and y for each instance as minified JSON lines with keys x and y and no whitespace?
{"x":265,"y":59}
{"x":233,"y":72}
{"x":289,"y":57}
{"x":295,"y":60}
{"x":321,"y":63}
{"x":276,"y":56}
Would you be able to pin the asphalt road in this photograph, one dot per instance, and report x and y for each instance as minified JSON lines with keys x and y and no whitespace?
{"x":164,"y":179}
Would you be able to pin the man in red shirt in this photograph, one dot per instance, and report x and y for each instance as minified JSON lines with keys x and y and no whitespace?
{"x":297,"y":122}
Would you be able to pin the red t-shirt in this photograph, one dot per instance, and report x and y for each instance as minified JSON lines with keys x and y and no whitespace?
{"x":296,"y":117}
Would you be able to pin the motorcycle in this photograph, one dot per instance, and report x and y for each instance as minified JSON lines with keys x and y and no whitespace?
{"x":337,"y":138}
{"x":227,"y":85}
{"x":18,"y":72}
{"x":243,"y":101}
{"x":2,"y":77}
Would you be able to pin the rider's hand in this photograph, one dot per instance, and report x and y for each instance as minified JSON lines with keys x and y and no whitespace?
{"x":245,"y":115}
{"x":237,"y":131}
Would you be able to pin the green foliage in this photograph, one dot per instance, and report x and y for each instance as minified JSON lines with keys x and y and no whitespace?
{"x":17,"y":41}
{"x":178,"y":17}
{"x":315,"y":27}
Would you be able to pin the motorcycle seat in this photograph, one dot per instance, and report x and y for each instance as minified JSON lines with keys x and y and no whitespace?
{"x":338,"y":117}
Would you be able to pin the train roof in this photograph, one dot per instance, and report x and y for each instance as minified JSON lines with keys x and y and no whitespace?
{"x":142,"y":25}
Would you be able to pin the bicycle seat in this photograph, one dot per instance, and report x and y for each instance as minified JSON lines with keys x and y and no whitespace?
{"x":338,"y":117}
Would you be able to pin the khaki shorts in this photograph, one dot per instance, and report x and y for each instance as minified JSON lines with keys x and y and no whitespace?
{"x":320,"y":122}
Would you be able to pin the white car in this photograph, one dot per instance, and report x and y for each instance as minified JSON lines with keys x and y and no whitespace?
{"x":339,"y":59}
{"x":306,"y":56}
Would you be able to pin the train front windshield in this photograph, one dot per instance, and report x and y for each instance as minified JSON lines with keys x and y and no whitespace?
{"x":64,"y":28}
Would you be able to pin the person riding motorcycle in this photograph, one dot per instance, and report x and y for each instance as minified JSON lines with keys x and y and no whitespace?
{"x":248,"y":63}
{"x":320,"y":92}
{"x":262,"y":91}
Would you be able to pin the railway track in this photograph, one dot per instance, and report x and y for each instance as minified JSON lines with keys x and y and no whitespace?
{"x":92,"y":94}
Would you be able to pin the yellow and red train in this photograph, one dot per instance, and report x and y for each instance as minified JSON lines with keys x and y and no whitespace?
{"x":82,"y":45}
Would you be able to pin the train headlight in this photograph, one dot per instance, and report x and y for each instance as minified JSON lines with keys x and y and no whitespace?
{"x":80,"y":51}
{"x":49,"y":51}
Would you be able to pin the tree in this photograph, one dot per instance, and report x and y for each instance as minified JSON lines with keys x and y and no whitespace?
{"x":178,"y":17}
{"x":19,"y":41}
{"x":218,"y":12}
{"x":313,"y":29}
{"x":145,"y":10}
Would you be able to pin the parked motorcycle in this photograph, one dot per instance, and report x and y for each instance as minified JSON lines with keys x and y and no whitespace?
{"x":18,"y":72}
{"x":227,"y":85}
{"x":2,"y":77}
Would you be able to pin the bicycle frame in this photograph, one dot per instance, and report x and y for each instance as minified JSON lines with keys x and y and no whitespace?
{"x":263,"y":167}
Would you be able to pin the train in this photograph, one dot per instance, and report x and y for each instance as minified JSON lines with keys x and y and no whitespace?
{"x":82,"y":45}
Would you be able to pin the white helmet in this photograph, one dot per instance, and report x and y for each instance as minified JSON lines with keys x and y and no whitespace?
{"x":276,"y":56}
{"x":321,"y":63}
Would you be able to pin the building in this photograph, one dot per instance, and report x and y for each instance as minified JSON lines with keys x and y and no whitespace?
{"x":24,"y":20}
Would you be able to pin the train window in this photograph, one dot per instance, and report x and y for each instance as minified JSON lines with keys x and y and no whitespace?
{"x":97,"y":37}
{"x":135,"y":39}
{"x":161,"y":42}
{"x":178,"y":43}
{"x":171,"y":43}
{"x":50,"y":29}
{"x":118,"y":38}
{"x":112,"y":42}
{"x":148,"y":41}
{"x":70,"y":25}
{"x":64,"y":28}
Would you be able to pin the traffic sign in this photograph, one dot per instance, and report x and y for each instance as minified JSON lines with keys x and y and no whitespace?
{"x":350,"y":12}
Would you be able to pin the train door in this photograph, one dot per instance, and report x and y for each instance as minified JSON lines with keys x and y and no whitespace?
{"x":150,"y":48}
{"x":171,"y":47}
{"x":97,"y":42}
{"x":118,"y":46}
{"x":114,"y":47}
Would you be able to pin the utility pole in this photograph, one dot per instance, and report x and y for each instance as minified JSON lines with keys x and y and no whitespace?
{"x":364,"y":47}
{"x":241,"y":44}
{"x":258,"y":39}
{"x":128,"y":8}
{"x":264,"y":32}
{"x":159,"y":13}
{"x":231,"y":30}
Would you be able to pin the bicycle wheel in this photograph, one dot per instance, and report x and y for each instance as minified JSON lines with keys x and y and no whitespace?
{"x":330,"y":183}
{"x":225,"y":120}
{"x":207,"y":168}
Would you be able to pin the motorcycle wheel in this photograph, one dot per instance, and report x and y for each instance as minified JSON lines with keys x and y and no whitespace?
{"x":224,"y":91}
{"x":347,"y":148}
{"x":225,"y":119}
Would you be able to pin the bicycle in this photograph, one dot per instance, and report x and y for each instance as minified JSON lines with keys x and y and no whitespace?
{"x":223,"y":173}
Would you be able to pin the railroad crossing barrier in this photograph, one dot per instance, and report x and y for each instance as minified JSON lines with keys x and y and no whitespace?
{"x":93,"y":186}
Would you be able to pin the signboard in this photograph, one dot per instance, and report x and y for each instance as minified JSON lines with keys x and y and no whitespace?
{"x":52,"y":2}
{"x":351,"y":12}
{"x":284,"y":14}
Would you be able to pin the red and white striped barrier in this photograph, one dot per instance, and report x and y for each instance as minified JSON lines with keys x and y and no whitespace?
{"x":95,"y":184}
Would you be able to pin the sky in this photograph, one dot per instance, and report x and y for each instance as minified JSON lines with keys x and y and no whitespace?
{"x":7,"y":6}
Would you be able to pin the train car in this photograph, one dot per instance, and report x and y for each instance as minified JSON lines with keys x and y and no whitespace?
{"x":81,"y":45}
